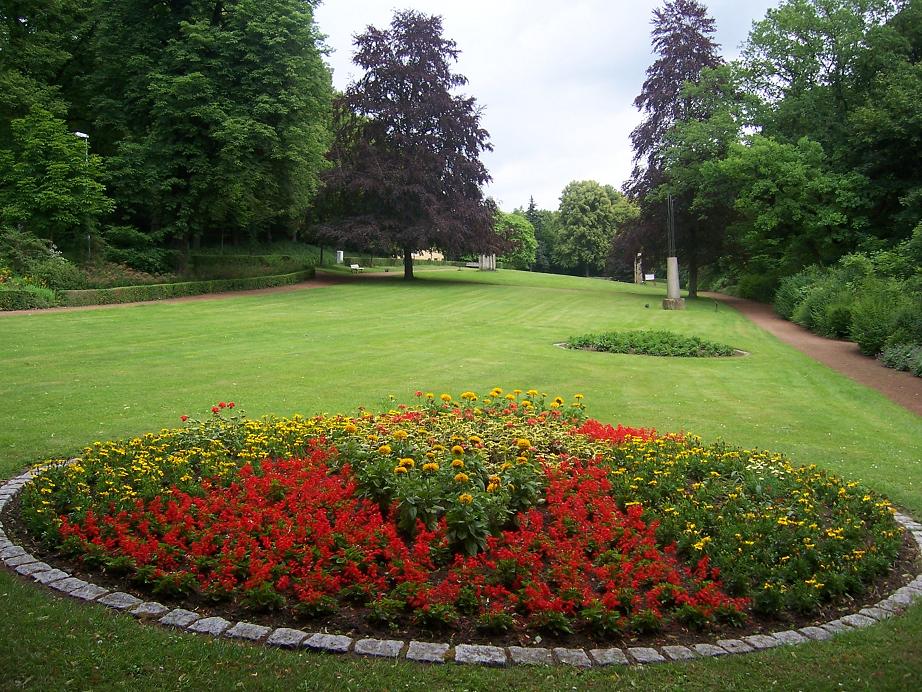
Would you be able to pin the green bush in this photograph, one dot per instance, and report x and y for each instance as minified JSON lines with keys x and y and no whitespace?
{"x":132,"y":294}
{"x":650,"y":343}
{"x":206,"y":267}
{"x":758,"y":286}
{"x":875,"y":313}
{"x":26,"y":298}
{"x":906,"y":357}
{"x":793,"y":289}
{"x":56,"y":273}
{"x":826,"y":306}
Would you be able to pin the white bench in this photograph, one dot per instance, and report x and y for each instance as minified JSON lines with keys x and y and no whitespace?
{"x":356,"y":268}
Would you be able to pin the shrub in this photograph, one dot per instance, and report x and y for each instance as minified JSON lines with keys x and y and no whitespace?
{"x":907,"y":357}
{"x":650,"y":343}
{"x":26,"y":297}
{"x":792,"y":290}
{"x":758,"y":286}
{"x":875,"y":312}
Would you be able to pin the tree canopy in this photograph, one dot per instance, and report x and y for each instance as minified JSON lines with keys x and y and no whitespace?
{"x":590,"y":216}
{"x":407,"y":173}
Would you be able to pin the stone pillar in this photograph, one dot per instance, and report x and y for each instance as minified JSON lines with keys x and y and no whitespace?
{"x":673,"y":300}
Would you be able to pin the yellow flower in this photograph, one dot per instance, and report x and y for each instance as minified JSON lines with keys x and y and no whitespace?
{"x":350,"y":428}
{"x":510,"y":396}
{"x":445,"y":397}
{"x":523,"y":443}
{"x":475,"y":439}
{"x":408,"y":462}
{"x":430,"y":396}
{"x":494,"y":479}
{"x":521,"y":460}
{"x":430,"y":466}
{"x":400,"y":469}
{"x":496,"y":391}
{"x":461,"y":478}
{"x":384,"y":449}
{"x":507,"y":465}
{"x":526,"y":404}
{"x":465,"y":498}
{"x":457,"y":463}
{"x":457,"y":450}
{"x":577,"y":396}
{"x":400,"y":435}
{"x":532,"y":392}
{"x":492,"y":487}
{"x":558,"y":400}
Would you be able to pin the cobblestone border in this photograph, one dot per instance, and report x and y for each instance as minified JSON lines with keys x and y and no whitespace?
{"x":20,"y":561}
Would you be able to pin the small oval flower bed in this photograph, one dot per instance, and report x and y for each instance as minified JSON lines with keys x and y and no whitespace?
{"x":510,"y":512}
{"x":651,"y":343}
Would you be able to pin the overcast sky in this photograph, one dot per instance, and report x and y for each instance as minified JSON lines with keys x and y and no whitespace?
{"x":557,"y":80}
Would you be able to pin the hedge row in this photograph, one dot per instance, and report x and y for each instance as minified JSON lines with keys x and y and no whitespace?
{"x":26,"y":300}
{"x":133,"y":294}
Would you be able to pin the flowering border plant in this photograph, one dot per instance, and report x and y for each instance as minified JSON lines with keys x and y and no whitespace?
{"x":510,"y":510}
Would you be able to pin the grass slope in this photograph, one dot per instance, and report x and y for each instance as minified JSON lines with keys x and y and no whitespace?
{"x":70,"y":378}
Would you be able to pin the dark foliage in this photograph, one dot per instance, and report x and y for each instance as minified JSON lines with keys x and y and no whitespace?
{"x":406,"y":169}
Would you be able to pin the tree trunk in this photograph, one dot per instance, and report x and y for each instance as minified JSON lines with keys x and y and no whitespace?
{"x":407,"y":264}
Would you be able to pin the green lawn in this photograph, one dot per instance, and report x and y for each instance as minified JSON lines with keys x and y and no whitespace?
{"x":70,"y":378}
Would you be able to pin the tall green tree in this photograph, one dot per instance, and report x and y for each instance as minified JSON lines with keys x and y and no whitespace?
{"x":407,"y":168}
{"x":590,"y":216}
{"x":519,"y":234}
{"x":216,"y":114}
{"x":49,"y":185}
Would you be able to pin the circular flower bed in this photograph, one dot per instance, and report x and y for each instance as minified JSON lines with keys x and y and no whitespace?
{"x":507,"y":512}
{"x":651,"y":343}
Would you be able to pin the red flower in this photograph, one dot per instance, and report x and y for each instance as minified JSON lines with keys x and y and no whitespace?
{"x":230,"y":404}
{"x":215,"y":409}
{"x":221,"y":404}
{"x":184,"y":418}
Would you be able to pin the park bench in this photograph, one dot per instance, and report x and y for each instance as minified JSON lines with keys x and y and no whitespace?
{"x":356,"y":268}
{"x":472,"y":265}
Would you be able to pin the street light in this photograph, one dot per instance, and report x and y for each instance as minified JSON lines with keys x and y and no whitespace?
{"x":86,"y":160}
{"x":86,"y":145}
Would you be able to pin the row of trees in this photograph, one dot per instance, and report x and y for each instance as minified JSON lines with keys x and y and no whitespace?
{"x":802,"y":151}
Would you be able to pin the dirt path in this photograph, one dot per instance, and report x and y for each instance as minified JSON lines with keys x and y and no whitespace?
{"x":842,"y":356}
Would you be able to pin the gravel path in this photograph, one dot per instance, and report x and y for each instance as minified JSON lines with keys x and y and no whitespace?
{"x":842,"y":356}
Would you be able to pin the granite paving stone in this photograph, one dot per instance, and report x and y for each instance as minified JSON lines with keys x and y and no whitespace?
{"x":248,"y":630}
{"x":334,"y":643}
{"x":876,"y":613}
{"x":149,"y":609}
{"x":427,"y":652}
{"x":709,"y":650}
{"x":646,"y":654}
{"x":68,"y":585}
{"x":12,"y":551}
{"x":789,"y":637}
{"x":23,"y":559}
{"x":31,"y":568}
{"x":573,"y":657}
{"x":609,"y":657}
{"x":887,"y":605}
{"x":858,"y":620}
{"x":531,"y":655}
{"x":5,"y":543}
{"x":120,"y":600}
{"x":286,"y":637}
{"x":817,"y":633}
{"x":90,"y":592}
{"x":385,"y":648}
{"x":762,"y":641}
{"x":900,"y":599}
{"x":735,"y":646}
{"x":480,"y":654}
{"x":180,"y":617}
{"x":50,"y":575}
{"x":679,"y":653}
{"x":214,"y":626}
{"x":836,"y":627}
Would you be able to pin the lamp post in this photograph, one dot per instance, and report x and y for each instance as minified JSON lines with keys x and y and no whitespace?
{"x":86,"y":160}
{"x":673,"y":300}
{"x":86,"y":145}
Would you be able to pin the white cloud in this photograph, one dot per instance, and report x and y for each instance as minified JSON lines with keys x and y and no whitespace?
{"x":557,"y":81}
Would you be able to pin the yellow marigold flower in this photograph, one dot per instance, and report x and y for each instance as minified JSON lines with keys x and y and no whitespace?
{"x":494,"y":479}
{"x":475,"y":439}
{"x":457,"y":450}
{"x":578,"y":396}
{"x":496,"y":391}
{"x":350,"y":428}
{"x":526,"y":404}
{"x":461,"y":478}
{"x":507,"y":466}
{"x":430,"y":396}
{"x":532,"y":392}
{"x":523,"y":443}
{"x":558,"y":400}
{"x":521,"y":460}
{"x":510,"y":396}
{"x":465,"y":498}
{"x":400,"y":469}
{"x":408,"y":462}
{"x":555,"y":405}
{"x":384,"y":449}
{"x":430,"y":455}
{"x":445,"y":397}
{"x":430,"y":466}
{"x":492,"y":487}
{"x":470,"y":396}
{"x":457,"y":463}
{"x":400,"y":435}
